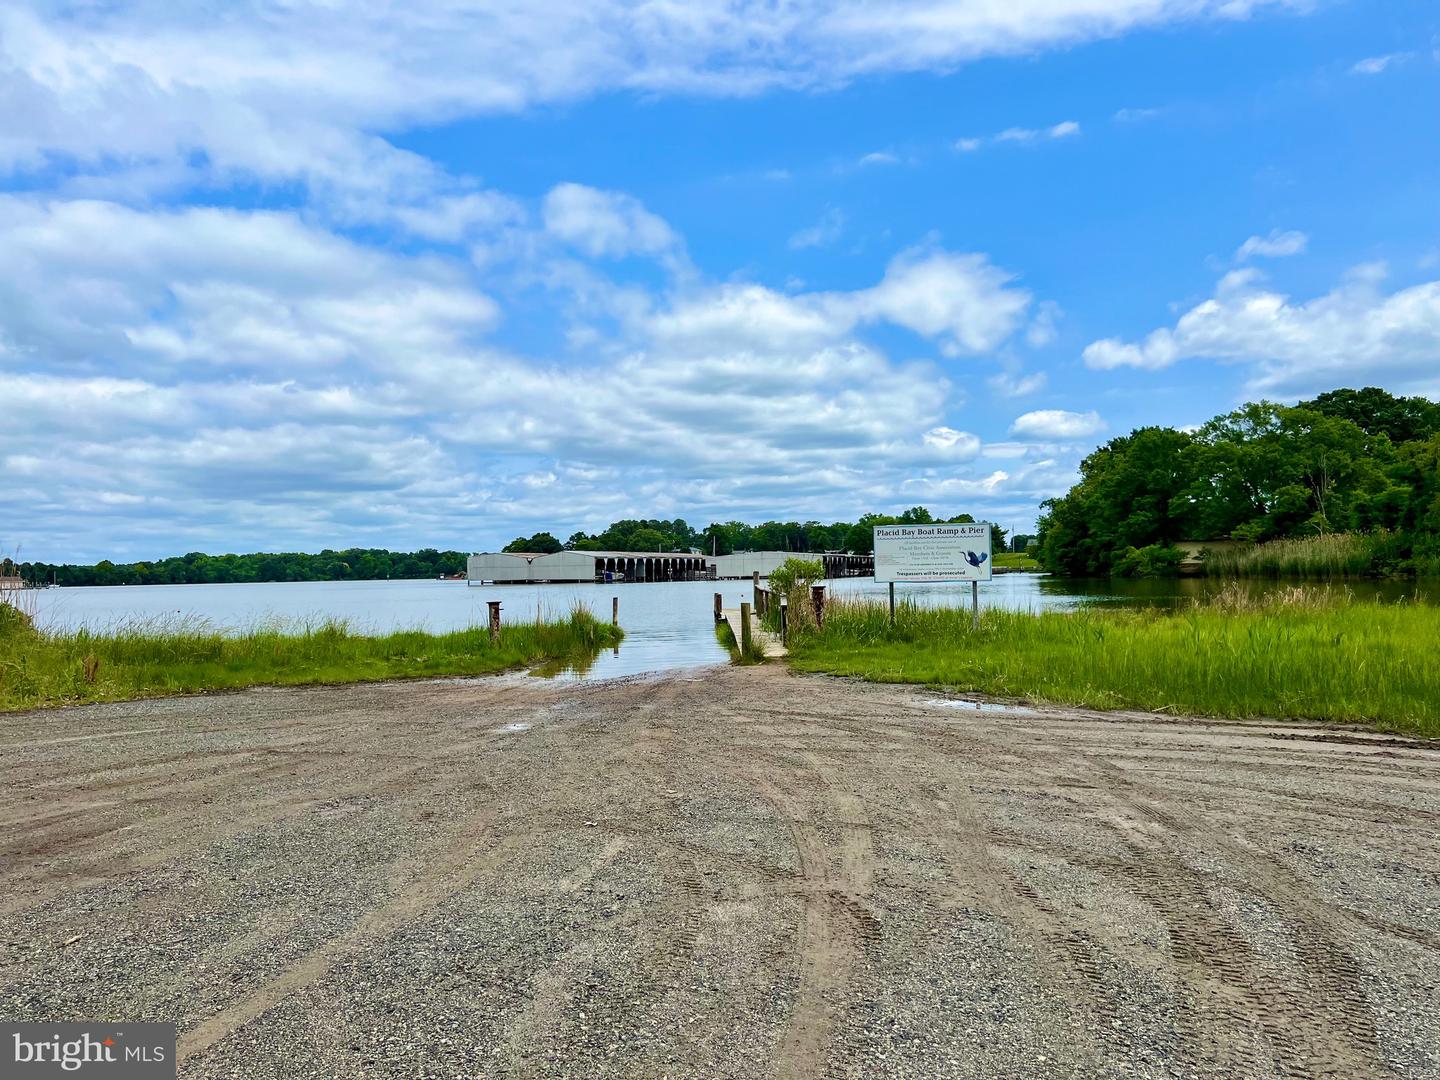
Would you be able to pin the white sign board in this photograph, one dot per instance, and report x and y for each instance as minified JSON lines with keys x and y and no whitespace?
{"x":933,"y":552}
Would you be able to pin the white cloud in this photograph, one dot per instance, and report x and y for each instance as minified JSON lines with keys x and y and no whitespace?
{"x":301,"y":90}
{"x":823,"y":233}
{"x":1014,"y":386}
{"x":1042,"y":329}
{"x":1276,"y":245}
{"x":263,"y":378}
{"x":606,"y":224}
{"x":92,"y":281}
{"x":1057,"y":424}
{"x":1355,"y":334}
{"x":957,"y":443}
{"x":1375,"y":65}
{"x":879,"y":157}
{"x":1135,"y":116}
{"x":1063,"y":130}
{"x":962,"y":299}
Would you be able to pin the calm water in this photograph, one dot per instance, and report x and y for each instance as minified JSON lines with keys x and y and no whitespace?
{"x":667,"y":624}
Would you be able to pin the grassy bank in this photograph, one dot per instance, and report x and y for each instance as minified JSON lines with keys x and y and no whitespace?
{"x":1303,"y":654}
{"x":153,"y":659}
{"x":1014,"y":560}
{"x":1335,"y":555}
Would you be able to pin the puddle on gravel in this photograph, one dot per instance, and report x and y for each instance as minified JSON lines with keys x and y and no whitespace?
{"x":977,"y":706}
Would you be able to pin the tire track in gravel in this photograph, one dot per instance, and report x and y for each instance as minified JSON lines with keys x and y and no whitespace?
{"x":472,"y":853}
{"x":645,"y":707}
{"x":835,"y":923}
{"x":1064,"y":955}
{"x":1320,"y":1024}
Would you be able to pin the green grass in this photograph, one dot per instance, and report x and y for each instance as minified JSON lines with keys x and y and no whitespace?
{"x":1014,"y":560}
{"x":1334,"y":555}
{"x":726,"y":636}
{"x":154,"y":659}
{"x":1304,"y":655}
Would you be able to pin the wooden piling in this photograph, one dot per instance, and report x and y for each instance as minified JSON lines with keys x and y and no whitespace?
{"x":615,"y":611}
{"x":817,"y":601}
{"x":494,"y":606}
{"x":718,"y":615}
{"x":744,"y":629}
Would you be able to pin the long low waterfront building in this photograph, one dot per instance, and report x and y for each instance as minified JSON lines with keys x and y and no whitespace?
{"x":514,"y":568}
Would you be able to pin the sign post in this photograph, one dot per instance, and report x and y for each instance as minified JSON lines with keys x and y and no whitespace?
{"x":939,"y":552}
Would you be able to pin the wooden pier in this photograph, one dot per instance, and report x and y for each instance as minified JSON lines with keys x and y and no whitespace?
{"x":768,"y":642}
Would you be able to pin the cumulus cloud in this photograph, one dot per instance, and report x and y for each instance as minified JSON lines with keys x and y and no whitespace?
{"x":605,"y":224}
{"x":1057,"y":424}
{"x":262,"y":376}
{"x":94,"y":282}
{"x":1277,"y":245}
{"x":301,"y":90}
{"x":1355,"y":334}
{"x":964,"y":300}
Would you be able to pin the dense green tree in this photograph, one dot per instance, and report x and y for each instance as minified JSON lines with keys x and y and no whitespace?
{"x":1258,"y":473}
{"x":541,"y":543}
{"x":1376,"y":412}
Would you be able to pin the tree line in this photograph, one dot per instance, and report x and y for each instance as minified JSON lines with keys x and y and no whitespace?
{"x":197,"y":568}
{"x":360,"y":564}
{"x":728,"y":537}
{"x":1357,"y":461}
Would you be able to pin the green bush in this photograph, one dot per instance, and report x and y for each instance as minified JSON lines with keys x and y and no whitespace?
{"x":1155,"y":560}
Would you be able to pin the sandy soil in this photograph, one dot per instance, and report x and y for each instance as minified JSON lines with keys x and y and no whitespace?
{"x":731,"y":872}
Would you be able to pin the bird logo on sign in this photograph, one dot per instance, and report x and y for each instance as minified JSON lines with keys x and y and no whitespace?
{"x":975,"y":560}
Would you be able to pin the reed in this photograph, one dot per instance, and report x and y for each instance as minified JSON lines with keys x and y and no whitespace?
{"x":158,"y":657}
{"x":1308,"y":654}
{"x":1334,"y":555}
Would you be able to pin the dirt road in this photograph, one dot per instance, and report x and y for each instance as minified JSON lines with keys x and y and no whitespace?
{"x":729,"y":873}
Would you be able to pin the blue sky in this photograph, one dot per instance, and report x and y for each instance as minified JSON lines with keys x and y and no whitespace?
{"x":313,"y":275}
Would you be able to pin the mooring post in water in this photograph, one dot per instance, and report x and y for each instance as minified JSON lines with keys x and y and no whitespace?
{"x":975,"y":604}
{"x":744,"y":629}
{"x":614,"y":611}
{"x":892,"y":603}
{"x":494,"y":606}
{"x":817,"y":601}
{"x":718,"y":616}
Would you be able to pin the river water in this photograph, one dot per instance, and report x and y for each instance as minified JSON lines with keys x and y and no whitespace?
{"x":667,"y":624}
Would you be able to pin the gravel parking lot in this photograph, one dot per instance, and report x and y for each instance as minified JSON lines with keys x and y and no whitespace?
{"x":731,"y":872}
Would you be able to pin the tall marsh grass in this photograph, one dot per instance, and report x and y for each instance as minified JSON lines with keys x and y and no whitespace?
{"x":1303,"y":653}
{"x":156,"y":657}
{"x":1334,"y":555}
